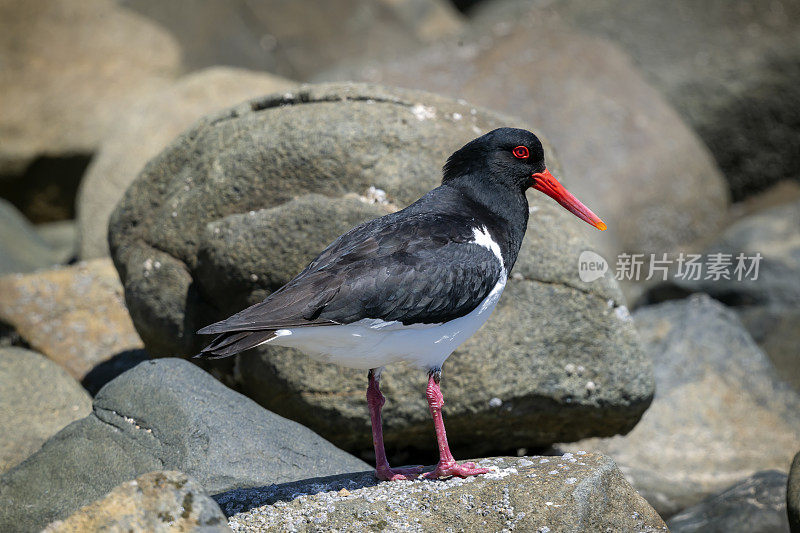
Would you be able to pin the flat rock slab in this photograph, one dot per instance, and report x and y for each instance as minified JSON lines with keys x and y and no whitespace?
{"x":721,"y":412}
{"x":240,"y":203}
{"x":157,"y":502}
{"x":37,"y":399}
{"x":164,"y":414}
{"x":74,"y":315}
{"x":580,"y":492}
{"x":754,"y":505}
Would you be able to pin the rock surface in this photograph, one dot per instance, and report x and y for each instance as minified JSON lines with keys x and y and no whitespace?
{"x":147,"y":129}
{"x":164,"y":414}
{"x":297,"y":39}
{"x":22,"y":249}
{"x":37,"y":399}
{"x":285,"y":174}
{"x":755,"y":505}
{"x":793,"y":495}
{"x":158,"y":502}
{"x":74,"y":315}
{"x":62,"y":237}
{"x":624,"y":151}
{"x":769,"y":306}
{"x":572,"y":493}
{"x":68,"y":69}
{"x":720,"y":411}
{"x":730,"y":68}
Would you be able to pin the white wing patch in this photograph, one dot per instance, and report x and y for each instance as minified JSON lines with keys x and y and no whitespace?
{"x":484,"y":238}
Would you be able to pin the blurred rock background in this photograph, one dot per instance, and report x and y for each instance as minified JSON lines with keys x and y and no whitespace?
{"x":155,"y":158}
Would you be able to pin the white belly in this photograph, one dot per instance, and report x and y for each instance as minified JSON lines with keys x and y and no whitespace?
{"x":373,"y":343}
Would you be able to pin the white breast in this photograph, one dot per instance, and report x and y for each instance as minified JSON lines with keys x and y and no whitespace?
{"x":373,"y":343}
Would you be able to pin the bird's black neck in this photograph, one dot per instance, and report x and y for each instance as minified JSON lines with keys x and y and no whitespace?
{"x":503,"y":210}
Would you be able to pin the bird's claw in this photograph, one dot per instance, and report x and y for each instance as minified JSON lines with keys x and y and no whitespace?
{"x":397,"y":474}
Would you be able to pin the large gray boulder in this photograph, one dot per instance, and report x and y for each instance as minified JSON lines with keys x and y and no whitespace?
{"x":163,"y":414}
{"x":37,"y":399}
{"x":299,"y":38}
{"x":69,"y":68}
{"x":754,"y":505}
{"x":149,"y":126}
{"x":624,"y":150}
{"x":578,"y":493}
{"x":767,"y":300}
{"x":730,"y":69}
{"x":720,"y":413}
{"x":241,"y":202}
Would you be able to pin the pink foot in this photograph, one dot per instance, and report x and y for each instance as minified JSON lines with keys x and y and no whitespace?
{"x":454,"y":469}
{"x":396,"y":474}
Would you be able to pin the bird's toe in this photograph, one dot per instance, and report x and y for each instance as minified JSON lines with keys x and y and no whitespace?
{"x":455,"y":469}
{"x":397,"y":474}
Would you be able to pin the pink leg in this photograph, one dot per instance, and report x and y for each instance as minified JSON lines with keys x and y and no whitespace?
{"x":447,"y":465}
{"x":375,"y":400}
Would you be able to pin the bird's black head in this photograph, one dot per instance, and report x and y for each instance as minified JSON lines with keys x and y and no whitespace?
{"x":513,"y":159}
{"x":508,"y":156}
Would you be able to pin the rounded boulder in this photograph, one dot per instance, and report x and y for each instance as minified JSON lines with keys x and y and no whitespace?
{"x":240,"y":203}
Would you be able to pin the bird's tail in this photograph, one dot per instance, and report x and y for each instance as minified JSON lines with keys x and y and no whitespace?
{"x":233,"y":342}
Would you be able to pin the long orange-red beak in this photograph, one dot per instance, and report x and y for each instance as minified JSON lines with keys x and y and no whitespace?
{"x":546,"y":183}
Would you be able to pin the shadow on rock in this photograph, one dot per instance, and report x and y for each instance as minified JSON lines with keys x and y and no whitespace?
{"x":109,"y":369}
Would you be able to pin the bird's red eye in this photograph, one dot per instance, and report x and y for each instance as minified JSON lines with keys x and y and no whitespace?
{"x":521,"y":152}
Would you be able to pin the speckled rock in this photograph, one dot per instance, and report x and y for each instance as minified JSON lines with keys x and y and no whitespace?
{"x":581,"y":492}
{"x":729,"y":67}
{"x":146,"y":129}
{"x":37,"y":399}
{"x":74,"y":315}
{"x":241,"y":202}
{"x":793,"y":495}
{"x":624,"y":151}
{"x":298,"y":38}
{"x":158,"y":502}
{"x":769,"y":306}
{"x":22,"y":249}
{"x":68,"y":70}
{"x":162,"y":415}
{"x":721,"y":412}
{"x":754,"y":505}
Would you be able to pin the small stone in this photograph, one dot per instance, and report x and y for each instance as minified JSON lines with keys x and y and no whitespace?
{"x":74,"y":315}
{"x":145,"y":504}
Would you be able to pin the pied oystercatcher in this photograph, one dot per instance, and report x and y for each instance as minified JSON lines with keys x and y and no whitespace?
{"x":412,"y":285}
